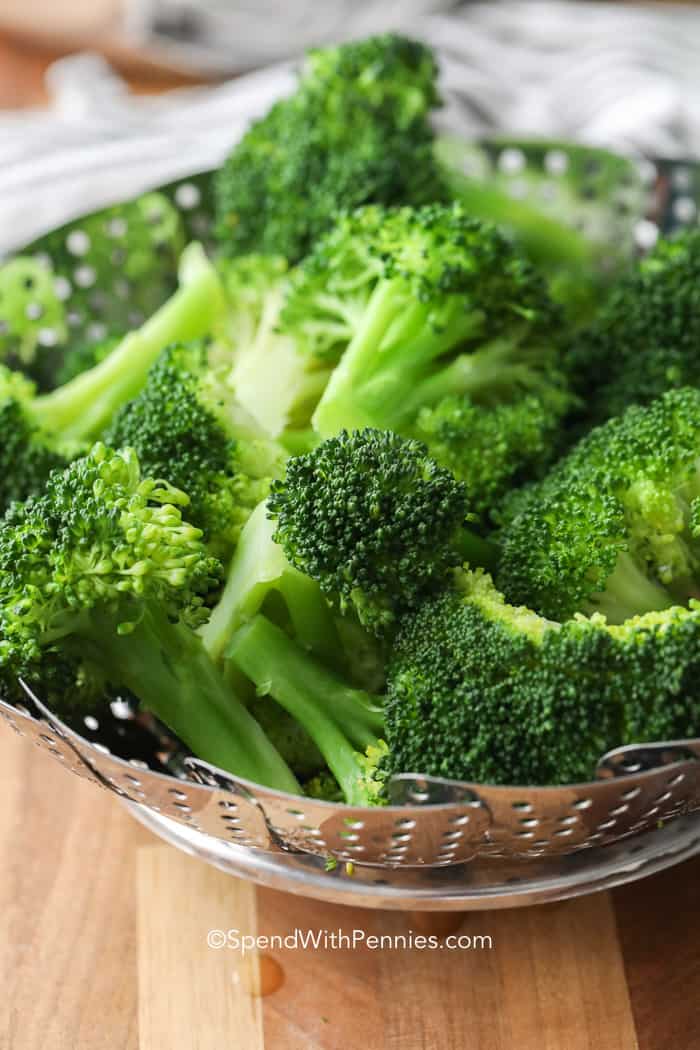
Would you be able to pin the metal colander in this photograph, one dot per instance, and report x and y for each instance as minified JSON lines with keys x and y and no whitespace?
{"x":440,"y":841}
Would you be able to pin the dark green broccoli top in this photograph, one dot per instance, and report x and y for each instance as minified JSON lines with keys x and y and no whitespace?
{"x":373,"y":519}
{"x":646,"y":337}
{"x":354,"y":132}
{"x":612,"y":526}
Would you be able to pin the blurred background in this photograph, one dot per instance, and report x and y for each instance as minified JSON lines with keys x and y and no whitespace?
{"x":145,"y":90}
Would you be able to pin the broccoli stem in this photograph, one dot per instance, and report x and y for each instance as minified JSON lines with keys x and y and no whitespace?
{"x":258,"y":571}
{"x":167,"y":667}
{"x":383,"y":362}
{"x":628,"y":592}
{"x":340,"y":720}
{"x":81,"y":408}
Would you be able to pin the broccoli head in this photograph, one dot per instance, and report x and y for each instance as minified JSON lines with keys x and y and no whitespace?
{"x":374,"y":521}
{"x":483,"y":691}
{"x":613,"y":526}
{"x":354,"y":132}
{"x":646,"y":337}
{"x":492,"y":448}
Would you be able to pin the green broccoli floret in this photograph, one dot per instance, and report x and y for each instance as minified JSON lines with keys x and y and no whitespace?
{"x":613,"y":526}
{"x":646,"y":337}
{"x":83,"y":407}
{"x":344,"y":723}
{"x":354,"y":132}
{"x":492,"y":448}
{"x":274,"y":380}
{"x":104,"y":568}
{"x":186,"y":426}
{"x":375,"y":522}
{"x":31,"y":312}
{"x":418,"y":305}
{"x":486,"y":692}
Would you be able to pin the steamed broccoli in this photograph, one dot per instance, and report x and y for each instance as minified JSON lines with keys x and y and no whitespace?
{"x":493,"y":448}
{"x":186,"y":426}
{"x":480,"y":690}
{"x":646,"y":337}
{"x":344,"y":723}
{"x":613,"y":527}
{"x":104,"y":569}
{"x":374,"y":521}
{"x":355,"y":131}
{"x":418,"y":305}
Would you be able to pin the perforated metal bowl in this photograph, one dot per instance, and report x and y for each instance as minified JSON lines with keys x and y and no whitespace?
{"x":440,"y":844}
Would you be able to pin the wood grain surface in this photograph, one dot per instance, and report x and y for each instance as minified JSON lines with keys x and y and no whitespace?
{"x":103,"y":947}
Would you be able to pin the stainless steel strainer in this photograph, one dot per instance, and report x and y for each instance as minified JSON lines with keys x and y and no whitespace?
{"x":440,"y":843}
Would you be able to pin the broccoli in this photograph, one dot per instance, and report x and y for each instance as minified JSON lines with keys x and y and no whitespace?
{"x":418,"y":305}
{"x":354,"y":132}
{"x":646,"y":337}
{"x":274,"y":380}
{"x":374,"y":521}
{"x":186,"y":426}
{"x":491,"y":447}
{"x":613,"y":527}
{"x":345,"y":723}
{"x":103,"y":568}
{"x":483,"y":691}
{"x":83,"y":407}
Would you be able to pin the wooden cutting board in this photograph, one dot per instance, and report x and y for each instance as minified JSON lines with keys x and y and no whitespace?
{"x":103,"y":946}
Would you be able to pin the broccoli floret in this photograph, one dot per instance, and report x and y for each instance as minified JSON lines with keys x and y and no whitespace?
{"x":612,"y":527}
{"x":646,"y":337}
{"x":418,"y":305}
{"x":104,"y":568}
{"x":274,"y":380}
{"x":186,"y":426}
{"x":31,"y":312}
{"x":491,"y":447}
{"x":354,"y":132}
{"x":83,"y":407}
{"x":345,"y":723}
{"x":374,"y":521}
{"x":486,"y":692}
